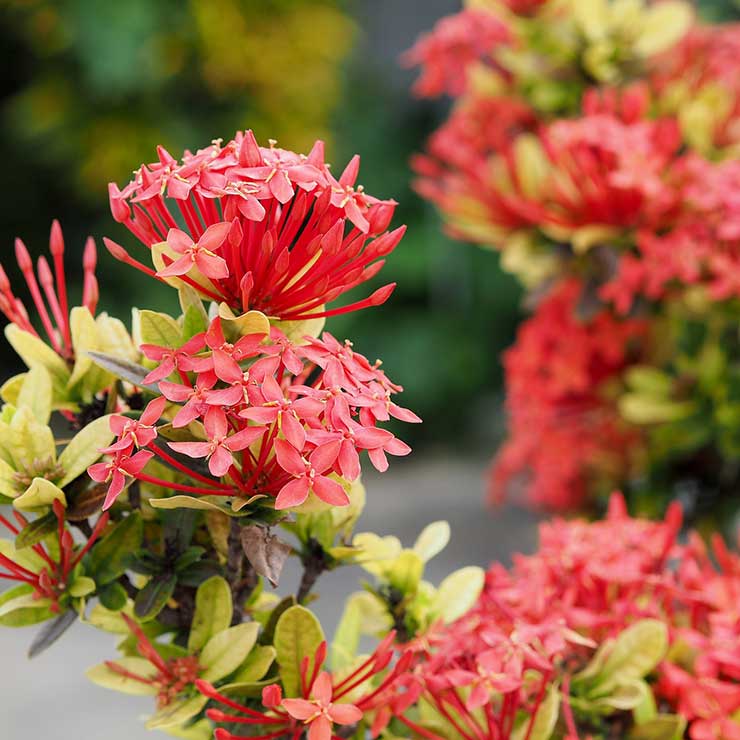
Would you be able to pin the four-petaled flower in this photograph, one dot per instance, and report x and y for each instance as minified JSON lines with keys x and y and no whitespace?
{"x":200,"y":254}
{"x":220,"y":446}
{"x":319,"y":712}
{"x":308,"y":475}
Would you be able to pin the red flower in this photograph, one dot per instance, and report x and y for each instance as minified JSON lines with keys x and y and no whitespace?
{"x":452,"y":47}
{"x":319,"y":713}
{"x":276,"y":219}
{"x":563,"y":428}
{"x":53,"y":579}
{"x":280,"y":420}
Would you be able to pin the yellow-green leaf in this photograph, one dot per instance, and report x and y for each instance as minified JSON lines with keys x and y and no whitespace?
{"x":432,"y":540}
{"x":458,"y":592}
{"x":40,"y":493}
{"x":33,"y":352}
{"x":256,"y":665}
{"x":84,"y":338}
{"x":158,"y":328}
{"x":103,"y":676}
{"x":636,"y":651}
{"x":544,"y":721}
{"x":406,"y":572}
{"x":227,"y":650}
{"x":664,"y":24}
{"x":35,"y":393}
{"x":82,"y":451}
{"x":662,"y":727}
{"x":213,"y":612}
{"x":177,"y":713}
{"x":298,"y":634}
{"x":82,"y":586}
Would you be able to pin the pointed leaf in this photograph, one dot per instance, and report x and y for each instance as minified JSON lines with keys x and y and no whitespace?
{"x":458,"y":592}
{"x":432,"y":540}
{"x":35,"y":393}
{"x":158,"y":328}
{"x":126,"y":370}
{"x":213,"y":612}
{"x":177,"y":713}
{"x":103,"y":676}
{"x":108,"y":557}
{"x":227,"y":650}
{"x":51,"y":632}
{"x":82,"y":451}
{"x":298,"y":634}
{"x":154,"y":596}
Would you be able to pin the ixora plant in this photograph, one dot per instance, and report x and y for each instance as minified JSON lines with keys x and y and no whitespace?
{"x":594,"y":144}
{"x":198,"y":438}
{"x":147,"y":474}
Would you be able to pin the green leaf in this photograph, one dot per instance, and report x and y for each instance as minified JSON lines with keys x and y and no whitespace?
{"x":213,"y":612}
{"x":35,"y":393}
{"x":227,"y":650}
{"x":126,"y":370}
{"x":177,"y":713}
{"x":113,"y":596}
{"x":194,"y":322}
{"x":458,"y":592}
{"x":624,"y":697}
{"x":544,"y":721}
{"x":82,"y":586}
{"x":29,"y":440}
{"x":51,"y":632}
{"x":154,"y":596}
{"x":347,"y":635}
{"x":107,"y":559}
{"x":103,"y":676}
{"x":84,"y":339}
{"x":25,"y":610}
{"x":36,"y":531}
{"x":406,"y":572}
{"x":82,"y":451}
{"x":39,"y":494}
{"x":181,"y":501}
{"x":637,"y":651}
{"x":256,"y":665}
{"x":298,"y":634}
{"x":34,"y":352}
{"x":158,"y":328}
{"x":662,"y":727}
{"x":432,"y":540}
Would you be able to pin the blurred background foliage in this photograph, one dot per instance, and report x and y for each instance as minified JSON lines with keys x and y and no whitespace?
{"x":90,"y":88}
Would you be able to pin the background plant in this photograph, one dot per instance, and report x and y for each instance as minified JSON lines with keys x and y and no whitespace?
{"x":593,"y":145}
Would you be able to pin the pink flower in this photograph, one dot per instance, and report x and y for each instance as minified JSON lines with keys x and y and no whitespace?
{"x":220,"y":446}
{"x":136,"y":432}
{"x":183,"y":358}
{"x":308,"y":475}
{"x":117,"y":470}
{"x":319,"y":713}
{"x":200,"y":254}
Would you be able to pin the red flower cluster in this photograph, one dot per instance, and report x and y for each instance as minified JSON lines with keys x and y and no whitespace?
{"x":564,"y":427}
{"x":279,"y":419}
{"x":586,"y":583}
{"x":55,"y":565}
{"x":702,"y":248}
{"x":326,"y":700}
{"x":607,"y":169}
{"x":456,"y":43}
{"x":267,"y":229}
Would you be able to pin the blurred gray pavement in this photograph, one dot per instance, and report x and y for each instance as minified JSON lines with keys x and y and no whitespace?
{"x":49,"y":698}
